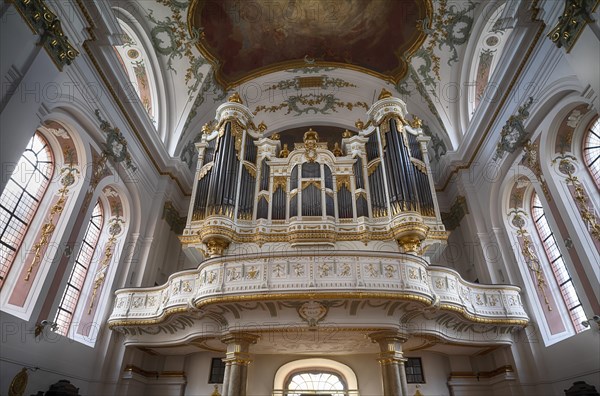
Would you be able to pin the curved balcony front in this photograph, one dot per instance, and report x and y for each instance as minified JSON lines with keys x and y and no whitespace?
{"x":432,"y":292}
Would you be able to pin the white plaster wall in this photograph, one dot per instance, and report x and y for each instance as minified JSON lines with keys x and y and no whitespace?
{"x":197,"y":370}
{"x":436,"y":368}
{"x":56,"y":357}
{"x":261,"y":373}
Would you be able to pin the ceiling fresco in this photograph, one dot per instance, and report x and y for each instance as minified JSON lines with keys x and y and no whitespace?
{"x":246,"y":39}
{"x":320,"y":62}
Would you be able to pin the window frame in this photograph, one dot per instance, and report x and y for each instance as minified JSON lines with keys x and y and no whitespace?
{"x":315,"y":371}
{"x":215,"y":371}
{"x":37,"y":198}
{"x":591,"y":133}
{"x":407,"y":365}
{"x":83,"y":273}
{"x":556,"y":262}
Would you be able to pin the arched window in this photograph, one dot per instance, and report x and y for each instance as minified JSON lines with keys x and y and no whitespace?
{"x":591,"y":151}
{"x":557,"y":263}
{"x":70,"y":297}
{"x":21,"y":198}
{"x":315,"y":383}
{"x":136,"y":63}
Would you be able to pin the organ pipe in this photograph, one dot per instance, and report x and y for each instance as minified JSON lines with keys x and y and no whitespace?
{"x":385,"y":170}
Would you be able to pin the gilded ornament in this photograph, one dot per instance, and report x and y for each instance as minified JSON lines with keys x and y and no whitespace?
{"x":208,"y":128}
{"x":576,"y":15}
{"x":215,"y":246}
{"x":279,"y":182}
{"x":235,"y":98}
{"x":285,"y":152}
{"x":55,"y":211}
{"x":384,"y":94}
{"x":262,"y":127}
{"x":19,"y":383}
{"x":46,"y":24}
{"x":416,"y":122}
{"x":250,"y":168}
{"x":337,"y":151}
{"x":342,"y":181}
{"x":253,"y":272}
{"x":530,"y":256}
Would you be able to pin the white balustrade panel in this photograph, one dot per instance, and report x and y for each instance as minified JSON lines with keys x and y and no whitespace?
{"x":347,"y":274}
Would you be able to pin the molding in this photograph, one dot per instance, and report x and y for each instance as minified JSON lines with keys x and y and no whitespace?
{"x":130,"y":368}
{"x":481,"y":374}
{"x":43,"y":22}
{"x":576,"y":15}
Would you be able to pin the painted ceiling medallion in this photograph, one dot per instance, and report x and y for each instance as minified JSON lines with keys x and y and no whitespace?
{"x":244,"y":40}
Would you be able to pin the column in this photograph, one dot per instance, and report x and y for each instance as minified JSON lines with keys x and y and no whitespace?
{"x":236,"y":363}
{"x":392,"y":362}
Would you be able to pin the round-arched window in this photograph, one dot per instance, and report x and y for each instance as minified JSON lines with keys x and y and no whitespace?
{"x":316,"y":383}
{"x":591,"y":151}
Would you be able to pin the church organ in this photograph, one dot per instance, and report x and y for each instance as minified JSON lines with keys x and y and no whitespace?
{"x":377,"y":185}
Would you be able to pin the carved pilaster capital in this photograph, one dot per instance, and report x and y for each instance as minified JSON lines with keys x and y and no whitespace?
{"x":390,"y":345}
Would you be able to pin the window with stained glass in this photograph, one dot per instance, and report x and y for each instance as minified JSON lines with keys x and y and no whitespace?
{"x":21,"y":198}
{"x":557,"y":264}
{"x":70,"y":297}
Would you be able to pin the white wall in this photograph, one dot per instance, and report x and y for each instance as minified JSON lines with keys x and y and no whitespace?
{"x":261,"y":373}
{"x":436,"y":368}
{"x":197,"y":370}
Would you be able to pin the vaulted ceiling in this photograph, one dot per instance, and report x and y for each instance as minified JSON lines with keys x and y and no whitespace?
{"x":305,"y":63}
{"x":247,"y":39}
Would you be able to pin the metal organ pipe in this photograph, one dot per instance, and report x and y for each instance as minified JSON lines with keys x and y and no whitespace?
{"x":358,"y":173}
{"x":406,"y":173}
{"x":264,"y":175}
{"x":278,"y":204}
